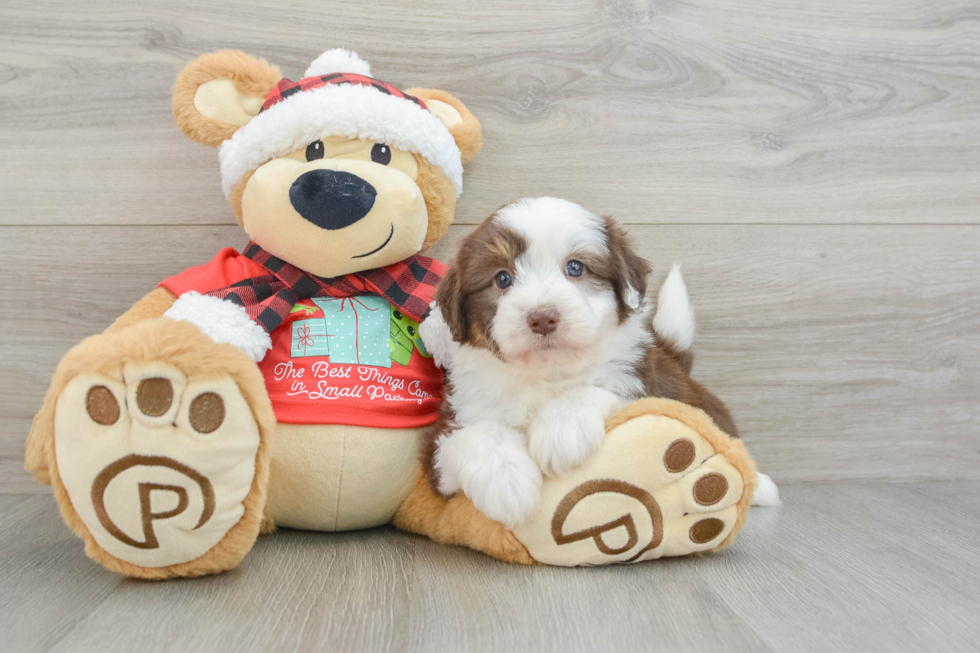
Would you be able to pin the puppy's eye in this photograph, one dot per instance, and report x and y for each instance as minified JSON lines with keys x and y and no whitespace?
{"x":574,"y":268}
{"x":503,"y":279}
{"x":314,"y":151}
{"x":381,"y":153}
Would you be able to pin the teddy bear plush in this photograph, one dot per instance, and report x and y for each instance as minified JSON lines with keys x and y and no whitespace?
{"x":287,"y":385}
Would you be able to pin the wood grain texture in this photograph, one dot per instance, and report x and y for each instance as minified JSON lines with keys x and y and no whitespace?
{"x":47,"y":585}
{"x":842,"y":353}
{"x":714,"y":111}
{"x":839,"y":562}
{"x":842,"y":567}
{"x":484,"y":605}
{"x":297,"y":591}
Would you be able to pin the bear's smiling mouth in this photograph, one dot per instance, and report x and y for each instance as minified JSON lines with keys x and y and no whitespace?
{"x":375,"y":251}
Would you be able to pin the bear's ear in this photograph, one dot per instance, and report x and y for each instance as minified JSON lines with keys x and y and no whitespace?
{"x":220,"y":92}
{"x":464,"y":127}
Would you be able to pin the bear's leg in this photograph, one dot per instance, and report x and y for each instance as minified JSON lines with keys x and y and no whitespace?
{"x":457,"y":521}
{"x":666,"y":482}
{"x":155,"y":440}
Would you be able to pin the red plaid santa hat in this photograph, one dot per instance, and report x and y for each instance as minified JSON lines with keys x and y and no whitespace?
{"x":338,"y":97}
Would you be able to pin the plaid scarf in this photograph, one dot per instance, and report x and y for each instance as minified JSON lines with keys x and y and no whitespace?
{"x":409,"y":286}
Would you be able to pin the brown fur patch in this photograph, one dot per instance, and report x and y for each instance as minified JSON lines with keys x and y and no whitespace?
{"x":622,"y":268}
{"x":467,"y":294}
{"x":665,"y":374}
{"x":251,"y":75}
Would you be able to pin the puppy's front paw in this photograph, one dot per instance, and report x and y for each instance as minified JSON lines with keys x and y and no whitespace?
{"x":437,"y":337}
{"x":491,"y":466}
{"x":569,"y":430}
{"x":507,"y":491}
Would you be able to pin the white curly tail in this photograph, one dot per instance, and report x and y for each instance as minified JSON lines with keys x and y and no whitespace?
{"x":674,"y":321}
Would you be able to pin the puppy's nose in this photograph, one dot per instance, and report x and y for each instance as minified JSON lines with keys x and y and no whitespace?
{"x":332,"y":199}
{"x":543,"y":321}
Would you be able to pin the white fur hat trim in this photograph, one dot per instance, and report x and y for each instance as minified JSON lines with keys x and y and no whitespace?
{"x":349,"y":110}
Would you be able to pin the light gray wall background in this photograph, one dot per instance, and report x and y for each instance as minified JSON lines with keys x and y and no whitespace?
{"x":815,"y":167}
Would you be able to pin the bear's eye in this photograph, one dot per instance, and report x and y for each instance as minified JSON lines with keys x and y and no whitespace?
{"x":314,"y":151}
{"x":574,"y":268}
{"x":503,"y":279}
{"x":381,"y":153}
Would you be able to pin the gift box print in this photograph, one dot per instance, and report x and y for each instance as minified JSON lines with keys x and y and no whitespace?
{"x":309,"y":338}
{"x":357,"y":328}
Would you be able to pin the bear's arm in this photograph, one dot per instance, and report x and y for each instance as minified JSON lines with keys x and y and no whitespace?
{"x":157,"y":302}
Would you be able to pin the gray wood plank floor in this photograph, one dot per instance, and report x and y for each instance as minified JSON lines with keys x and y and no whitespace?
{"x":838,"y":567}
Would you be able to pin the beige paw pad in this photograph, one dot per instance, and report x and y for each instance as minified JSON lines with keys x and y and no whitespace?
{"x":658,"y":487}
{"x":153,"y":393}
{"x":156,"y":465}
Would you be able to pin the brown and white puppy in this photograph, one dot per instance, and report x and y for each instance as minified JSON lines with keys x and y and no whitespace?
{"x":544,"y":331}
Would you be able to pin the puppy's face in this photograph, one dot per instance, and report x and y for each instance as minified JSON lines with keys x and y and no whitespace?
{"x":540,"y":282}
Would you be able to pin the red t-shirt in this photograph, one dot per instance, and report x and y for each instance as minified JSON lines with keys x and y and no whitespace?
{"x":352,"y":360}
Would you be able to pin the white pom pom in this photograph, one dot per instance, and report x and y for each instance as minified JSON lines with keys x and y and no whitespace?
{"x":338,"y":60}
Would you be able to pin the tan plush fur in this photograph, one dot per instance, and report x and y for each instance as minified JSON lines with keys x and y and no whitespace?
{"x":251,"y":75}
{"x":457,"y":521}
{"x":732,"y":449}
{"x":236,"y":197}
{"x":184,"y":346}
{"x":467,"y":134}
{"x":157,"y":302}
{"x":440,"y":200}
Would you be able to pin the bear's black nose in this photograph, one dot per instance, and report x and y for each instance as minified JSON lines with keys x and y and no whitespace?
{"x":332,"y":199}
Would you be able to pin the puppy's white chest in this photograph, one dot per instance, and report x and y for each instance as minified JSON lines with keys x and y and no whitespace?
{"x":513,"y":405}
{"x":534,"y":398}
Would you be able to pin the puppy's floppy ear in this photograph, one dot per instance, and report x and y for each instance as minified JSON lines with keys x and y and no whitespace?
{"x":464,"y":127}
{"x":452,"y":303}
{"x":220,"y":92}
{"x":629,"y":270}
